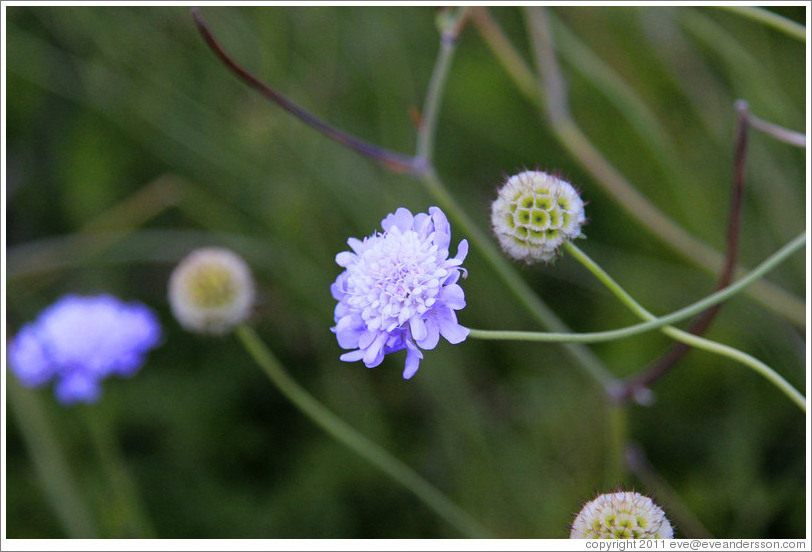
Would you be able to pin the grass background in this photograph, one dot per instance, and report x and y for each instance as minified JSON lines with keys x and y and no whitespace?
{"x":129,"y":144}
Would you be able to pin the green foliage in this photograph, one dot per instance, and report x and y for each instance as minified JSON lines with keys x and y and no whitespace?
{"x":129,"y":144}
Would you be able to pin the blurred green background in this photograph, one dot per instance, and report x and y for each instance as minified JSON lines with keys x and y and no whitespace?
{"x":129,"y":144}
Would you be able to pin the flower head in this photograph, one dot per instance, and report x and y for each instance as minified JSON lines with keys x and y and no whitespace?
{"x":399,"y":290}
{"x":211,"y":291}
{"x":79,"y":341}
{"x":534,"y":214}
{"x":621,"y":515}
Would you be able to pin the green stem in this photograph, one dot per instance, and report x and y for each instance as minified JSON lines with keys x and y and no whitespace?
{"x":58,"y":483}
{"x":770,"y":19}
{"x":428,"y":176}
{"x":683,"y":336}
{"x":355,"y":441}
{"x":550,"y":96}
{"x":507,"y":55}
{"x":434,"y":94}
{"x":591,"y":364}
{"x":610,"y":335}
{"x":129,"y":518}
{"x":618,"y":434}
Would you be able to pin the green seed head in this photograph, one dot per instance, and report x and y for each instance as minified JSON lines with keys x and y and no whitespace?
{"x":621,"y":515}
{"x":534,"y":214}
{"x":211,"y":291}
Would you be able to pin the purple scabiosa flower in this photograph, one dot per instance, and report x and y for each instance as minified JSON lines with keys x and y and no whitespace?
{"x":79,"y":341}
{"x":399,"y":290}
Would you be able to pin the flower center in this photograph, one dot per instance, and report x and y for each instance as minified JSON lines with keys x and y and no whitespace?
{"x":211,"y":286}
{"x":397,"y":276}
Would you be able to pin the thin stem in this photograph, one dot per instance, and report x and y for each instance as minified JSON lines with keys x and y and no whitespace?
{"x":553,"y":101}
{"x":529,"y":299}
{"x":667,"y":362}
{"x":507,"y":54}
{"x":394,"y":161}
{"x":683,"y":336}
{"x":130,"y":518}
{"x":355,"y":441}
{"x":748,"y":360}
{"x":770,"y":19}
{"x":590,"y":363}
{"x":618,"y":434}
{"x":58,"y":482}
{"x":778,"y":132}
{"x":434,"y":94}
{"x":686,"y":312}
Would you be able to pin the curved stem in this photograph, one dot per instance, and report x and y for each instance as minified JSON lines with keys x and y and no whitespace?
{"x":549,"y":95}
{"x":434,"y":94}
{"x":592,"y":366}
{"x":683,"y":336}
{"x":355,"y":441}
{"x":674,"y":354}
{"x":782,"y":134}
{"x":392,"y":160}
{"x":58,"y":482}
{"x":610,"y":335}
{"x":129,"y":516}
{"x":507,"y":54}
{"x":770,"y":19}
{"x":590,"y":363}
{"x":748,"y":360}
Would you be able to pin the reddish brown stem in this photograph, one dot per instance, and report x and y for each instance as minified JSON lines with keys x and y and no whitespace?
{"x":635,"y":387}
{"x":393,"y":161}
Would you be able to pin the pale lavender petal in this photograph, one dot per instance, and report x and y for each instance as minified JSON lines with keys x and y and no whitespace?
{"x":352,"y":356}
{"x":338,"y":289}
{"x":421,"y":221}
{"x":366,"y":338}
{"x":356,"y":244}
{"x":77,"y":387}
{"x":28,"y":360}
{"x":442,"y":230}
{"x":345,"y":258}
{"x":432,"y":334}
{"x":452,"y":278}
{"x":348,"y":331}
{"x":373,"y":355}
{"x":78,"y":341}
{"x":127,"y":365}
{"x":399,"y":290}
{"x":418,"y":328}
{"x":413,"y":356}
{"x":450,"y":329}
{"x":462,"y":250}
{"x":453,"y":296}
{"x":402,"y":218}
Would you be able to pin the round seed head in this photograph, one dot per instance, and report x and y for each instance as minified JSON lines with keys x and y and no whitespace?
{"x":211,"y":291}
{"x":621,"y":515}
{"x":534,"y":213}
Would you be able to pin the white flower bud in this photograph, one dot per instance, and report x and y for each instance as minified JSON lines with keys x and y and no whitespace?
{"x":534,"y":214}
{"x":621,"y":515}
{"x":211,"y":291}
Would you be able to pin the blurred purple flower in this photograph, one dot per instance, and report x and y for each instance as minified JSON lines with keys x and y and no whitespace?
{"x":399,"y":290}
{"x":79,"y":341}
